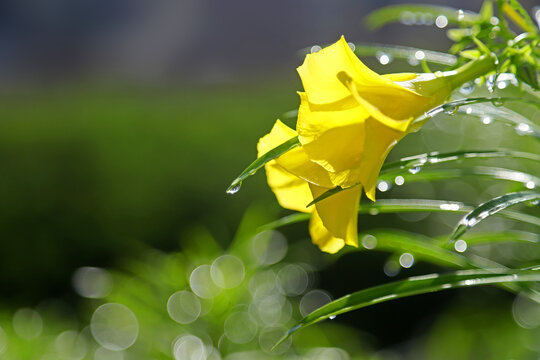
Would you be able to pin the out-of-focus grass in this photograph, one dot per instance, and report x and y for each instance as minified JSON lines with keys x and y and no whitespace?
{"x":89,"y":173}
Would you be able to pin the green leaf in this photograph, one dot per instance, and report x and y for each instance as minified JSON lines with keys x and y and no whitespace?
{"x":519,"y":16}
{"x":492,"y":207}
{"x":438,"y":158}
{"x":395,"y":13}
{"x":404,"y":52}
{"x":259,"y":162}
{"x":413,"y":286}
{"x":480,"y":109}
{"x":384,"y":206}
{"x":513,"y":236}
{"x":412,"y":165}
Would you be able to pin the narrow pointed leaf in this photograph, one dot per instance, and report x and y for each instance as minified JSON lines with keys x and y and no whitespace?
{"x":437,"y":158}
{"x":259,"y":162}
{"x":395,"y":13}
{"x":405,"y":53}
{"x":413,"y":286}
{"x":384,"y":206}
{"x":492,"y":207}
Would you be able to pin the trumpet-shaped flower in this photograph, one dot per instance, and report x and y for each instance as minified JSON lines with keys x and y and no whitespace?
{"x":348,"y":121}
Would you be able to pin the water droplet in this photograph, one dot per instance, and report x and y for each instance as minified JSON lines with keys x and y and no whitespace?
{"x":351,"y":46}
{"x":332,"y":317}
{"x":467,"y":88}
{"x":449,"y":207}
{"x":369,"y":242}
{"x":490,"y":83}
{"x":383,"y":186}
{"x":450,"y":110}
{"x":399,"y":180}
{"x":441,"y":21}
{"x":502,"y":84}
{"x":114,"y":326}
{"x":460,"y":246}
{"x":406,"y":260}
{"x":523,"y":129}
{"x":384,"y":58}
{"x":460,"y":15}
{"x":315,"y":48}
{"x":494,"y":20}
{"x":234,"y":189}
{"x":497,"y":102}
{"x":486,"y":120}
{"x":415,"y":170}
{"x":420,"y":55}
{"x":530,"y":185}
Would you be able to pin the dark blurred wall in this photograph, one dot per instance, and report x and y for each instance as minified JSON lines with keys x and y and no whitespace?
{"x":179,"y":41}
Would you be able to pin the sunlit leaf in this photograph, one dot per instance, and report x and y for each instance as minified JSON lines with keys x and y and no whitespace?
{"x":413,"y":286}
{"x":259,"y":162}
{"x":404,"y":52}
{"x":384,"y":206}
{"x":492,"y":207}
{"x":395,"y":13}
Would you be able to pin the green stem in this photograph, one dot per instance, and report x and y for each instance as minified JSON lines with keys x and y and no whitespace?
{"x":472,"y":70}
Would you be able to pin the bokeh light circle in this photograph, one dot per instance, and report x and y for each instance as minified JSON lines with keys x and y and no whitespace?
{"x":227,"y":271}
{"x":240,"y":327}
{"x":114,"y":326}
{"x":202,"y":284}
{"x":313,"y":300}
{"x":27,"y":323}
{"x":184,"y":307}
{"x":269,"y":247}
{"x":189,"y":347}
{"x":92,"y":282}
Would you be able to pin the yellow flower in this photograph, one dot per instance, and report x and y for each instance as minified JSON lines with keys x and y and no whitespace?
{"x":349,"y":119}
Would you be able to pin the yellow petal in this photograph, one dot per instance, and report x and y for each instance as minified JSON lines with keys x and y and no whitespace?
{"x":379,"y":141}
{"x":400,"y":76}
{"x":322,"y":238}
{"x":291,"y":192}
{"x":295,"y":161}
{"x":339,"y":213}
{"x":319,"y":73}
{"x":332,"y":135}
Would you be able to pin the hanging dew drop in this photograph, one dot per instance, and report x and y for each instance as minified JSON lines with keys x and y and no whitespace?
{"x":415,"y":170}
{"x":497,"y":102}
{"x":451,"y":110}
{"x":234,"y":189}
{"x":523,"y":129}
{"x":460,"y":15}
{"x":332,"y":317}
{"x":467,"y":88}
{"x":490,"y":83}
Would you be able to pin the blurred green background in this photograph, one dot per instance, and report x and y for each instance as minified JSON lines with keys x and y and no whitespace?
{"x":116,"y":154}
